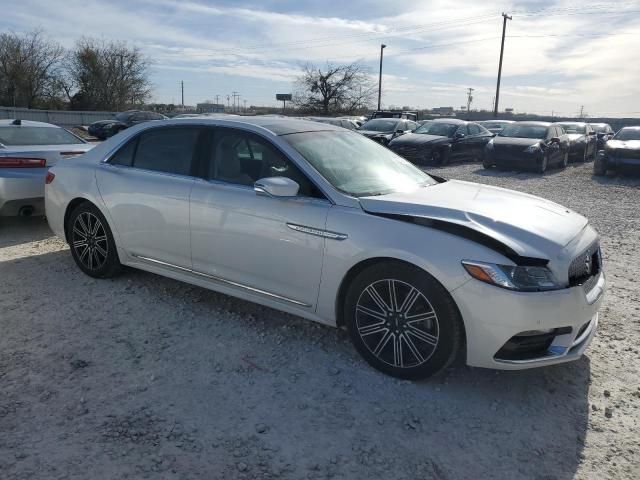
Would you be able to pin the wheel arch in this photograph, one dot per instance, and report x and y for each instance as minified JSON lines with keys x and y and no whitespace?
{"x":364,"y":264}
{"x":71,"y":206}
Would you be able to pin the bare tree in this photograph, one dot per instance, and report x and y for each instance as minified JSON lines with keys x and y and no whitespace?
{"x":337,"y":89}
{"x":106,"y":76}
{"x":29,"y":69}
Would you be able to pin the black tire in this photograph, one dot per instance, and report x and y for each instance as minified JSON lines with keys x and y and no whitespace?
{"x":544,"y":163}
{"x":91,"y":242}
{"x":486,"y":163}
{"x":599,"y":167}
{"x":441,"y":156}
{"x":425,"y":344}
{"x":565,"y":160}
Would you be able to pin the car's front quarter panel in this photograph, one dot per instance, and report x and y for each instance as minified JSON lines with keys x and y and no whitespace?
{"x":375,"y":237}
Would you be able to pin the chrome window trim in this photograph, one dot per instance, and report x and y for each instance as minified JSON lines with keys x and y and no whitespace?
{"x":317,"y":232}
{"x":222,"y":280}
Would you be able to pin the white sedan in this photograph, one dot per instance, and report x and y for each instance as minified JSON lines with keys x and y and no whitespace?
{"x":324,"y":223}
{"x":27,"y":150}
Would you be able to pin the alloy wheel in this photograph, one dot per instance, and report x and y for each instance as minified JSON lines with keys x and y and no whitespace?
{"x":89,"y":241}
{"x":397,"y":323}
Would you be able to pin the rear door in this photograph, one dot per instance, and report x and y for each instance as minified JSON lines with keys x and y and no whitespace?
{"x":146,"y":186}
{"x":461,"y":145}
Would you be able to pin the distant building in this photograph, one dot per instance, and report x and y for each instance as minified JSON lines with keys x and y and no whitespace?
{"x":443,"y":111}
{"x":210,"y":108}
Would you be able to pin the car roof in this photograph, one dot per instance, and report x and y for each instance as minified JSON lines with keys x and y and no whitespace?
{"x":599,"y":124}
{"x":571,"y":123}
{"x":276,"y":125}
{"x":536,"y":124}
{"x":633,"y":127}
{"x":455,"y":121}
{"x":26,"y":123}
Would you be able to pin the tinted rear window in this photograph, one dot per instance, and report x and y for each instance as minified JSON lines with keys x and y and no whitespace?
{"x":24,"y":135}
{"x":167,"y":150}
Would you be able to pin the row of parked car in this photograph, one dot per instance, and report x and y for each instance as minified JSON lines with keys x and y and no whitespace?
{"x":507,"y":144}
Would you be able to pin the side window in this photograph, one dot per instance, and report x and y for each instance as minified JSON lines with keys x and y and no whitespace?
{"x":124,"y":156}
{"x":411,"y":126}
{"x":243,"y":158}
{"x":347,"y":124}
{"x":167,"y":150}
{"x":462,"y":129}
{"x":474,"y":129}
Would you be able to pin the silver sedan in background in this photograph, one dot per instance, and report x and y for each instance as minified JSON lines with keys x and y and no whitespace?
{"x":321,"y":222}
{"x":27,"y":150}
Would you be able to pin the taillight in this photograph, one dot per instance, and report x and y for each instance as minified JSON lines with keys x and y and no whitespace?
{"x":49,"y":178}
{"x":22,"y":162}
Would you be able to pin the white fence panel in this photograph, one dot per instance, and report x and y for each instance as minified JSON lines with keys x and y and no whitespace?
{"x":63,"y":118}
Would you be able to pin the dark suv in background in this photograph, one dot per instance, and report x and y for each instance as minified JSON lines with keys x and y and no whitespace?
{"x":104,"y":129}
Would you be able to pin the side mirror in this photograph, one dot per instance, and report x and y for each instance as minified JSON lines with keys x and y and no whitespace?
{"x":459,"y":135}
{"x":281,"y":187}
{"x":592,"y":132}
{"x":399,"y":132}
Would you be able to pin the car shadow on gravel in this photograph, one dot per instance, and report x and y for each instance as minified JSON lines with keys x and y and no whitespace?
{"x":18,"y":230}
{"x":518,"y":174}
{"x":627,"y":178}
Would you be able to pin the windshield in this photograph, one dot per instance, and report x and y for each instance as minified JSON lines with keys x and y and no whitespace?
{"x":573,"y":127}
{"x":494,"y":125}
{"x":380,"y":125}
{"x":357,"y":166}
{"x":14,"y":136}
{"x":438,"y":128}
{"x":524,"y":131}
{"x":628,"y":134}
{"x":599,"y":128}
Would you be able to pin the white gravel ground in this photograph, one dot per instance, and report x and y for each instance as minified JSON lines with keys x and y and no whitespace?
{"x":142,"y":376}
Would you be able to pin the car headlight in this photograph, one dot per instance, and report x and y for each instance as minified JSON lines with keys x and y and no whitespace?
{"x":521,"y":278}
{"x":489,"y":145}
{"x":533,"y":148}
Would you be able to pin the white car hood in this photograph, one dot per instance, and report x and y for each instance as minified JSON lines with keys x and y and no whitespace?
{"x":528,"y":225}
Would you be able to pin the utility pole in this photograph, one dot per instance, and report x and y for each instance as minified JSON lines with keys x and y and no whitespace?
{"x":235,"y":95}
{"x":469,"y":100}
{"x":581,"y":111}
{"x":505,"y":17}
{"x":182,"y":88}
{"x":382,"y":47}
{"x":217,"y":99}
{"x":228,"y":102}
{"x":245,"y":105}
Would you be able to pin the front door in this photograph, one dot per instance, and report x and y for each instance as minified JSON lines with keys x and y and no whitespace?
{"x":269,"y":246}
{"x":146,"y":186}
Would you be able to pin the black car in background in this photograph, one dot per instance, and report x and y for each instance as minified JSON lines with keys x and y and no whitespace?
{"x":623,"y":150}
{"x":495,"y":126}
{"x":604,"y":133}
{"x":531,"y":145}
{"x":104,"y":129}
{"x":383,"y":130}
{"x":582,"y":140}
{"x":441,"y":141}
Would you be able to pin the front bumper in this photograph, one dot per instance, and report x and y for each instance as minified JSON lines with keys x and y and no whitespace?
{"x":22,"y":187}
{"x":513,"y":159}
{"x":616,"y":160}
{"x":492,"y":316}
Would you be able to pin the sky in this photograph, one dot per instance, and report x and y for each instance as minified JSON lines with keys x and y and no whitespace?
{"x":560,"y":56}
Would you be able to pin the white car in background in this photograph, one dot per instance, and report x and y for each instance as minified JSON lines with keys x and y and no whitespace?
{"x":27,"y":150}
{"x":321,"y":222}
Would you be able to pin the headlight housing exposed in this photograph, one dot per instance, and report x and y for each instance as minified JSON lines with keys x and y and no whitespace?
{"x":533,"y":148}
{"x":489,"y":145}
{"x":513,"y":277}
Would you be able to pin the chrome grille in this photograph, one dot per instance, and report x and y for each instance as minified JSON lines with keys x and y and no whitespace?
{"x":585,"y":268}
{"x":411,"y":152}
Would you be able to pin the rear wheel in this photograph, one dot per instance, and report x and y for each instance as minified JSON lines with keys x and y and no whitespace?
{"x":91,"y":242}
{"x":565,"y":160}
{"x":402,"y":321}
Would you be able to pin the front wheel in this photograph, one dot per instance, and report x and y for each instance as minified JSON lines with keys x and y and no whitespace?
{"x":91,"y":242}
{"x":402,"y":321}
{"x":565,"y":160}
{"x":544,"y":163}
{"x":599,"y":167}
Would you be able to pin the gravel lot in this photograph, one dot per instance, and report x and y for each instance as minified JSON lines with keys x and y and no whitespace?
{"x":142,"y":376}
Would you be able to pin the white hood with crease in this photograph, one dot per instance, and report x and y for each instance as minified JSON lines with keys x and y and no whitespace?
{"x":529,"y":225}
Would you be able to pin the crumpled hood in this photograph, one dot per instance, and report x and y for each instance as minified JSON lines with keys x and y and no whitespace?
{"x":528,"y":225}
{"x":624,"y":144}
{"x":514,"y":142}
{"x":575,"y":137}
{"x":373,"y":133}
{"x":418,"y":139}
